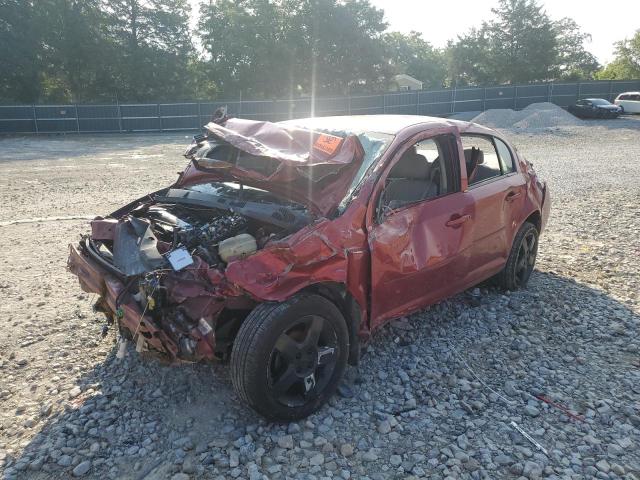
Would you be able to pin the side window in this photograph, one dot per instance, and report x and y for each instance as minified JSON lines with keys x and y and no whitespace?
{"x":481,"y":159}
{"x":504,"y":155}
{"x":423,"y":172}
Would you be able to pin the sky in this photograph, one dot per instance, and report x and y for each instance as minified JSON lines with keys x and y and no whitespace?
{"x":440,"y":20}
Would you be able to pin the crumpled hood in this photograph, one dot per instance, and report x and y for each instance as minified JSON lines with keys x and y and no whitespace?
{"x":314,"y":167}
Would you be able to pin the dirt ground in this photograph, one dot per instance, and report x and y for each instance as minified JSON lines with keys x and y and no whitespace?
{"x":68,"y":407}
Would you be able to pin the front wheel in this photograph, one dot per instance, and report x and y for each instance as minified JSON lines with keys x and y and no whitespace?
{"x":289,"y":357}
{"x":522,"y":258}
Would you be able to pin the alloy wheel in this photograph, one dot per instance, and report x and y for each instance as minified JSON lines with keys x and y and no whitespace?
{"x":526,"y":258}
{"x":303,"y":360}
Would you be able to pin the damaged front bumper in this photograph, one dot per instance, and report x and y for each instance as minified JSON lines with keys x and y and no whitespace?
{"x":194,"y":340}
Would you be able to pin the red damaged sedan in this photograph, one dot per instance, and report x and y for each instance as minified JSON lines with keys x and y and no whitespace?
{"x":282,"y":246}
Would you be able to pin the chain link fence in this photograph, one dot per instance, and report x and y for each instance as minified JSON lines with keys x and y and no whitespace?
{"x":160,"y":117}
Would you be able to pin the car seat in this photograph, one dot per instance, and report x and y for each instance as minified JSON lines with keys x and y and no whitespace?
{"x":410,"y":180}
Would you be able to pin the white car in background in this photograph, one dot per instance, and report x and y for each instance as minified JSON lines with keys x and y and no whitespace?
{"x":629,"y":101}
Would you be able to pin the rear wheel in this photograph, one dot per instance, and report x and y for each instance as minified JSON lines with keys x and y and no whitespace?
{"x":289,"y":357}
{"x":521,"y":260}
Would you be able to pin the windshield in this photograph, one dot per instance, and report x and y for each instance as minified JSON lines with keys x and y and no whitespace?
{"x":599,"y":101}
{"x":209,"y":155}
{"x":374,"y":145}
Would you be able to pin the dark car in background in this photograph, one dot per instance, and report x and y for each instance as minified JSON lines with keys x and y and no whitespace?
{"x":595,"y":108}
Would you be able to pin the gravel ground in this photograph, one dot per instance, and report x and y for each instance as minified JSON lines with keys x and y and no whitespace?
{"x":444,"y":393}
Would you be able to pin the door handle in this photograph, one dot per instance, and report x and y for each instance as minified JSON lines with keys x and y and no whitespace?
{"x":511,"y":196}
{"x":457,"y":220}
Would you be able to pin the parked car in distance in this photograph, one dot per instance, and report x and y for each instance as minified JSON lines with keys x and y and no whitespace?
{"x":629,"y":102}
{"x":594,"y":108}
{"x":283,"y":246}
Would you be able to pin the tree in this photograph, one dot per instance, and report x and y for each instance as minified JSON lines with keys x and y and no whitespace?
{"x":411,"y":54}
{"x":281,"y":48}
{"x":20,"y":60}
{"x":74,"y":51}
{"x":154,"y":48}
{"x":340,"y":45}
{"x":468,"y":59}
{"x":626,"y":64}
{"x":522,"y":42}
{"x":573,"y":62}
{"x":246,"y":46}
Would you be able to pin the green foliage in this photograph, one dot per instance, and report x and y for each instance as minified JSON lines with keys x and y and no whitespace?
{"x":154,"y":48}
{"x":468,"y":59}
{"x":74,"y":50}
{"x":282,"y":48}
{"x":19,"y":51}
{"x":572,"y":61}
{"x":522,"y":44}
{"x":143,"y":50}
{"x":519,"y":45}
{"x":626,"y":64}
{"x":412,"y":55}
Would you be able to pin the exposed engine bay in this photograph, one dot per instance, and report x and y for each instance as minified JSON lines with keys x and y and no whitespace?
{"x":170,"y":253}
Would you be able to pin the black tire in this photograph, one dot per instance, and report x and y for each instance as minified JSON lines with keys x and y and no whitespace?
{"x":522,"y":258}
{"x":275,"y":345}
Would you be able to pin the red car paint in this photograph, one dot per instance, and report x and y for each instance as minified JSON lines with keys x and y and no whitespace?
{"x":419,"y":255}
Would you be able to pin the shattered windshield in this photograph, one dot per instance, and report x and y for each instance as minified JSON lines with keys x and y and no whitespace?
{"x":374,"y":145}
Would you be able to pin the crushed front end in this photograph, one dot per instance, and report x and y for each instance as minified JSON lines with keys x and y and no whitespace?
{"x":159,"y":267}
{"x":162,"y":265}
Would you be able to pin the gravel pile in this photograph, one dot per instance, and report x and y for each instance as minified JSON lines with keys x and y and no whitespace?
{"x":444,"y":393}
{"x":533,"y":117}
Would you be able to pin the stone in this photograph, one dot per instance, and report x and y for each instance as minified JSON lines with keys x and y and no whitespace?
{"x":180,"y":476}
{"x":345,"y":391}
{"x":188,"y":466}
{"x":82,"y":468}
{"x":234,"y":458}
{"x":285,"y":441}
{"x":346,"y":449}
{"x":64,"y":460}
{"x":369,"y":456}
{"x":603,"y":466}
{"x":317,"y":459}
{"x":384,"y":427}
{"x":74,"y":392}
{"x":503,"y":460}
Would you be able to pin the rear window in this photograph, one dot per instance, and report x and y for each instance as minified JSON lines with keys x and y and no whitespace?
{"x":504,"y":155}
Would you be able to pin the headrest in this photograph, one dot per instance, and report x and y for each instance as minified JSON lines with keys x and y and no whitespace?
{"x":411,"y":165}
{"x":470,"y":153}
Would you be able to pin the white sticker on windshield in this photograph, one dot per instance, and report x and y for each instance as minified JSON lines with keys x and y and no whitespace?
{"x":179,"y":258}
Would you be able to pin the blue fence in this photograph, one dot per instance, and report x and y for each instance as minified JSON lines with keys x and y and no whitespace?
{"x":160,"y":117}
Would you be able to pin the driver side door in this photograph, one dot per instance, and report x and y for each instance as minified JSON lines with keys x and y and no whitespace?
{"x":419,"y":238}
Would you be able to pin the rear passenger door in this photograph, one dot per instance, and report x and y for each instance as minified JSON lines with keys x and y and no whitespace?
{"x":498,"y":192}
